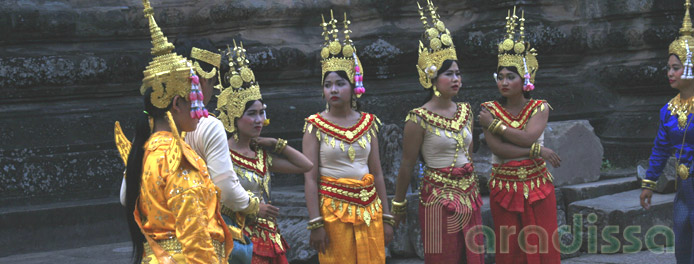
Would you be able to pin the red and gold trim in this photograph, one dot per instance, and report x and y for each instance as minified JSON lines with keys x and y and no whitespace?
{"x":519,"y":121}
{"x":350,"y":200}
{"x":257,"y":164}
{"x":266,"y":237}
{"x":455,"y":184}
{"x":360,"y":133}
{"x":515,"y":181}
{"x":431,"y":119}
{"x":347,"y":135}
{"x":361,"y":195}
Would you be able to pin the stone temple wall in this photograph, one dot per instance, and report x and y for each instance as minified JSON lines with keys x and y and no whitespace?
{"x":69,"y":69}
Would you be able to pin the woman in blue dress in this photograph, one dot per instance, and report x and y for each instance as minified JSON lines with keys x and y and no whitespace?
{"x":676,"y":135}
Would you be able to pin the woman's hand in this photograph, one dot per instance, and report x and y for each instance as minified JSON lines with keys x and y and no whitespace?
{"x":268,"y":211}
{"x":486,"y":118}
{"x":551,"y":157}
{"x":387,"y":233}
{"x":319,"y":240}
{"x":645,"y":197}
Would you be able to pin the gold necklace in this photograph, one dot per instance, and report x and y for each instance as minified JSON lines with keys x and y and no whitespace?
{"x":682,"y":170}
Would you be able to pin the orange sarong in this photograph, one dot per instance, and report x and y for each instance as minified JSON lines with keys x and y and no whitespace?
{"x":352,"y":214}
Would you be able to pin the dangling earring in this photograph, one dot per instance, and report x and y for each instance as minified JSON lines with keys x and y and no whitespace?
{"x":327,"y":106}
{"x":436,"y":91}
{"x":236,"y":137}
{"x":354,"y":102}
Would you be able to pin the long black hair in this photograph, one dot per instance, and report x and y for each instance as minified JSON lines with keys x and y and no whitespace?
{"x":444,"y":67}
{"x":502,"y":100}
{"x":344,"y":75}
{"x":134,"y":172}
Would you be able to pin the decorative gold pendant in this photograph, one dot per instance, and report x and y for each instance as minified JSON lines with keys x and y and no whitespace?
{"x":682,"y":120}
{"x":367,"y":218}
{"x":683,"y":171}
{"x":351,"y":153}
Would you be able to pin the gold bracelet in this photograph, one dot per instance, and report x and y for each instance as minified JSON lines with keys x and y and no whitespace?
{"x":493,"y":125}
{"x":280,"y":145}
{"x":399,"y":208}
{"x":535,"y":150}
{"x":389,"y":221}
{"x":315,"y":225}
{"x":648,"y":184}
{"x":253,"y":206}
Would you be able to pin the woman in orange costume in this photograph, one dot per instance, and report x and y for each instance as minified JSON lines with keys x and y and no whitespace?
{"x":441,"y":132}
{"x":345,"y":192}
{"x":243,"y":115}
{"x":172,"y":205}
{"x":521,"y":189}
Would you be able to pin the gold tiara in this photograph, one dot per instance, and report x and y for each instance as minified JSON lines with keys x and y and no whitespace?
{"x":168,"y":74}
{"x":439,"y":46}
{"x":242,"y":88}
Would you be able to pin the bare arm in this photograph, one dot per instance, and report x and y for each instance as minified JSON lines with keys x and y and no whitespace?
{"x":290,"y":161}
{"x":502,"y":149}
{"x":412,"y":139}
{"x":377,"y":172}
{"x":310,"y":146}
{"x":526,"y":137}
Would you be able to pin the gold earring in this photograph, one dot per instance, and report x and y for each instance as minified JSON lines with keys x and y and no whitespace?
{"x":354,"y":102}
{"x":327,"y":107}
{"x":436,"y":91}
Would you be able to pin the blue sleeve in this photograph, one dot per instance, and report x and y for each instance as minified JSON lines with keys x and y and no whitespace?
{"x":661,"y":149}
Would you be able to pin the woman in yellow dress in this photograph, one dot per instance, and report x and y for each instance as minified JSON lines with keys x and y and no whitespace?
{"x":254,"y":157}
{"x":172,"y":205}
{"x":345,"y":192}
{"x":441,"y":132}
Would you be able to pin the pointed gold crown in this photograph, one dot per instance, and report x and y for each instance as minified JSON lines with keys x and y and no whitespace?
{"x":679,"y":46}
{"x":439,"y":47}
{"x":208,"y":57}
{"x":168,"y":74}
{"x":336,"y":56}
{"x":516,"y":52}
{"x":242,"y":88}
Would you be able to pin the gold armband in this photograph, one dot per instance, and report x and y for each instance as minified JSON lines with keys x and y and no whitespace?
{"x":535,"y":150}
{"x":315,"y":223}
{"x":648,"y":184}
{"x":388,"y":219}
{"x":253,"y":206}
{"x":279,"y":147}
{"x":399,"y":208}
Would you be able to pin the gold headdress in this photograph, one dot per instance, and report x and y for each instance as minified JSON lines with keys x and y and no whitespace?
{"x":517,"y":53}
{"x":338,"y":56}
{"x":168,"y":74}
{"x":439,"y":46}
{"x":208,"y":57}
{"x":683,"y":45}
{"x":242,"y":88}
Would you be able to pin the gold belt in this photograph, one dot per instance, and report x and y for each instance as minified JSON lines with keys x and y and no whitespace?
{"x":172,"y":245}
{"x":437,"y":176}
{"x":683,"y":171}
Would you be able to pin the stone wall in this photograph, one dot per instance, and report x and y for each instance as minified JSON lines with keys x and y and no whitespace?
{"x":69,"y":69}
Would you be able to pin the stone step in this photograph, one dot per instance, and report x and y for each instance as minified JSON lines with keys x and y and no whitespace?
{"x":617,"y":173}
{"x":61,"y":225}
{"x":590,"y":190}
{"x":623,"y":213}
